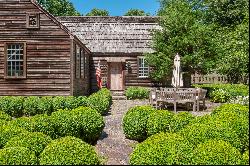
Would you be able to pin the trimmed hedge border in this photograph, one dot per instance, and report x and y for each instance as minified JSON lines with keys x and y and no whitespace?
{"x":136,"y":93}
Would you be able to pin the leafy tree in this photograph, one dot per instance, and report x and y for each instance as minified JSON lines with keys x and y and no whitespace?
{"x":136,"y":12}
{"x":231,"y":18}
{"x":182,"y":31}
{"x":98,"y":12}
{"x":59,"y":7}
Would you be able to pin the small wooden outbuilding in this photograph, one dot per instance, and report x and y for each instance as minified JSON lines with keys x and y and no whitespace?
{"x":119,"y":43}
{"x":38,"y":54}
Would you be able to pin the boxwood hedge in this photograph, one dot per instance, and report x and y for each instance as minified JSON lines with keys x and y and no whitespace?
{"x":162,"y":149}
{"x":135,"y":121}
{"x":4,"y":116}
{"x":34,"y":141}
{"x":17,"y":156}
{"x":13,"y":106}
{"x":245,"y":158}
{"x":216,"y":152}
{"x":159,"y":121}
{"x":9,"y":131}
{"x":137,"y":93}
{"x":69,"y":151}
{"x":180,"y":120}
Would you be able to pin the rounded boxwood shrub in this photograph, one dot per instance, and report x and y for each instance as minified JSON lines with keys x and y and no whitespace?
{"x":198,"y":133}
{"x":9,"y":131}
{"x":100,"y":101}
{"x":162,"y":149}
{"x":137,"y":93}
{"x":30,"y":106}
{"x":4,"y":116}
{"x":216,"y":152}
{"x":58,"y":103}
{"x":245,"y":158}
{"x":90,"y":123}
{"x":135,"y":122}
{"x":34,"y":141}
{"x":159,"y":121}
{"x":43,"y":123}
{"x":17,"y":156}
{"x":64,"y":124}
{"x":180,"y":120}
{"x":23,"y":122}
{"x":13,"y":106}
{"x":69,"y":151}
{"x":235,"y":116}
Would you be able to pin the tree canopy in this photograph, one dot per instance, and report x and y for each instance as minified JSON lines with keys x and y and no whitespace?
{"x":59,"y":7}
{"x":136,"y":12}
{"x":98,"y":12}
{"x":210,"y":36}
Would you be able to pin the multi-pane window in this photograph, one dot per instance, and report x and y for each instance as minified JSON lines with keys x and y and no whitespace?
{"x":143,"y":68}
{"x":82,"y":64}
{"x":15,"y":60}
{"x":78,"y":52}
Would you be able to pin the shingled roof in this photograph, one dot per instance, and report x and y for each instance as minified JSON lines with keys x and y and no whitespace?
{"x":121,"y":34}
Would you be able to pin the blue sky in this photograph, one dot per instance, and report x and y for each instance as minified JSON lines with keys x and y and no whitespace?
{"x":116,"y":7}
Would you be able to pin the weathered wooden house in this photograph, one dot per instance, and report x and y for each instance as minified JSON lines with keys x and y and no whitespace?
{"x":39,"y":55}
{"x":119,"y":43}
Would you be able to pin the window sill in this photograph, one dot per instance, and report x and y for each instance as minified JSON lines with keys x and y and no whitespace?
{"x":15,"y":78}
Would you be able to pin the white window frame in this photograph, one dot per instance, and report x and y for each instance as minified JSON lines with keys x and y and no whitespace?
{"x":143,"y":68}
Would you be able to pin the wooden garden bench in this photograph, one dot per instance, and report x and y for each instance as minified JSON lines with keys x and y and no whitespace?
{"x":182,"y":95}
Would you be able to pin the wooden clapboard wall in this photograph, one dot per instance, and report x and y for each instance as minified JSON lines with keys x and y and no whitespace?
{"x":49,"y":52}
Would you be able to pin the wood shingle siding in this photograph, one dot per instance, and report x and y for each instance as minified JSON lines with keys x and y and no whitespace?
{"x":48,"y":51}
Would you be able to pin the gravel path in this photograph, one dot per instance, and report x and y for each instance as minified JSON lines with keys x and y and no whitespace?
{"x":112,"y":144}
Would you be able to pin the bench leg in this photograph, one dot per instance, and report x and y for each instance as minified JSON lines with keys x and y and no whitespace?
{"x":198,"y":105}
{"x":204,"y":104}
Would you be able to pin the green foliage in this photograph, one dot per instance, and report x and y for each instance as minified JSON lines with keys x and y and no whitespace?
{"x":197,"y":133}
{"x":4,"y":116}
{"x":90,"y":123}
{"x":183,"y":32}
{"x":216,"y":152}
{"x":9,"y":131}
{"x":245,"y":157}
{"x":224,"y":92}
{"x":59,"y":7}
{"x":134,"y":122}
{"x":159,"y":121}
{"x":13,"y":106}
{"x":35,"y":141}
{"x":43,"y":123}
{"x":243,"y":100}
{"x":17,"y":156}
{"x":31,"y":106}
{"x":69,"y":151}
{"x":82,"y":122}
{"x":136,"y":12}
{"x":162,"y":149}
{"x":137,"y":93}
{"x":100,"y":101}
{"x":219,"y":96}
{"x":98,"y":12}
{"x":236,"y":117}
{"x":180,"y":120}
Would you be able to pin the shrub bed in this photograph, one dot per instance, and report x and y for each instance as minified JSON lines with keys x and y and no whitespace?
{"x":4,"y":116}
{"x":137,"y":93}
{"x":69,"y":151}
{"x":245,"y":157}
{"x":135,"y":121}
{"x":34,"y":141}
{"x":159,"y":121}
{"x":162,"y":149}
{"x":12,"y":106}
{"x":216,"y":152}
{"x":181,"y":120}
{"x":9,"y":131}
{"x":17,"y":156}
{"x":82,"y":122}
{"x":100,"y":101}
{"x":198,"y":133}
{"x":33,"y":105}
{"x":224,"y":92}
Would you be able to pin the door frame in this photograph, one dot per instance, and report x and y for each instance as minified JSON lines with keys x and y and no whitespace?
{"x":122,"y":73}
